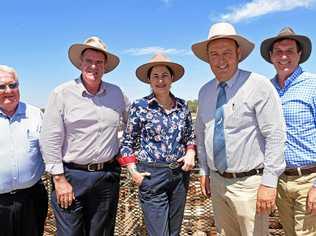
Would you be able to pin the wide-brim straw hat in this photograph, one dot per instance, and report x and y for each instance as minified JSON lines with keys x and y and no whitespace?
{"x":159,"y":59}
{"x":287,"y":33}
{"x":75,"y":51}
{"x":223,"y":30}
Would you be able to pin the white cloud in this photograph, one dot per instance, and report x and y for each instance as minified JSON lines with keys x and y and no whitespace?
{"x":155,"y":49}
{"x":261,"y":7}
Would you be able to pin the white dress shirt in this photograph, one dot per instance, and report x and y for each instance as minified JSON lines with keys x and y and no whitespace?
{"x":80,"y":127}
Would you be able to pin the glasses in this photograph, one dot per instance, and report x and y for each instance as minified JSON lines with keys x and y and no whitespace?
{"x":3,"y":87}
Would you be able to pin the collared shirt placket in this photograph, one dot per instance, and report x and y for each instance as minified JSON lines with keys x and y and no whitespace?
{"x":14,"y":161}
{"x":96,"y":99}
{"x":168,"y":141}
{"x":166,"y":128}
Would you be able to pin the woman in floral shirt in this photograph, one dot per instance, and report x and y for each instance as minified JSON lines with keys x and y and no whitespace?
{"x":158,"y":147}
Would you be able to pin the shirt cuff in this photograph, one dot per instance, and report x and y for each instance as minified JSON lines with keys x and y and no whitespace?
{"x":125,"y":160}
{"x":269,"y":180}
{"x":55,"y":168}
{"x":191,"y":146}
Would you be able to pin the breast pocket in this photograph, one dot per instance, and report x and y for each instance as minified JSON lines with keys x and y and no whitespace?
{"x":239,"y":114}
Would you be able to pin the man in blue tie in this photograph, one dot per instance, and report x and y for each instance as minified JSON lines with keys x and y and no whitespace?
{"x":240,"y":136}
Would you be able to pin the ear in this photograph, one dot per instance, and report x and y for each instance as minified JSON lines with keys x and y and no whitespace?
{"x":270,"y":55}
{"x":238,"y":54}
{"x":300,"y":54}
{"x":80,"y":64}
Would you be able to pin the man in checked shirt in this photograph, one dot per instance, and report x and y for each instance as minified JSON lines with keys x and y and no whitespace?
{"x":297,"y":186}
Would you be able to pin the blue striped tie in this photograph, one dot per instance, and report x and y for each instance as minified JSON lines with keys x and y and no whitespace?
{"x":219,"y":147}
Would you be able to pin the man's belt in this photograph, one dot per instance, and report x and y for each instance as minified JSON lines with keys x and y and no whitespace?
{"x":89,"y":167}
{"x":299,"y":171}
{"x":172,"y":165}
{"x":21,"y":191}
{"x":241,"y":174}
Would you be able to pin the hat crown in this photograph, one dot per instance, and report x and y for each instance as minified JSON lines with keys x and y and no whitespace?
{"x":160,"y":57}
{"x":222,"y":28}
{"x":96,"y":42}
{"x":286,"y":31}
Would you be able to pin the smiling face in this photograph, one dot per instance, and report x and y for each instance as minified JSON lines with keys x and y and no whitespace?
{"x":9,"y":94}
{"x":223,"y":56}
{"x":92,"y":66}
{"x":160,"y":80}
{"x":285,"y":57}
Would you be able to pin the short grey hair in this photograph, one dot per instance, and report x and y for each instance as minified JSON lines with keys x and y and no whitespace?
{"x":9,"y":70}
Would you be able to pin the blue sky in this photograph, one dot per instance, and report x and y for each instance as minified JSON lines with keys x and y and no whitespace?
{"x":36,"y":35}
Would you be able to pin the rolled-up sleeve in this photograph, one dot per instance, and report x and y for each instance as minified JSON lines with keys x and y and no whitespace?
{"x":272,"y":126}
{"x":201,"y":151}
{"x":126,"y":107}
{"x":52,"y":135}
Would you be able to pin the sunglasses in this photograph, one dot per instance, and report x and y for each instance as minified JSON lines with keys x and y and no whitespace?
{"x":3,"y":87}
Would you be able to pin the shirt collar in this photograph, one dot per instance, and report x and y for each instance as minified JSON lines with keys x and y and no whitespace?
{"x":153,"y":102}
{"x":296,"y":73}
{"x":229,"y":82}
{"x":85,"y":92}
{"x":20,"y":111}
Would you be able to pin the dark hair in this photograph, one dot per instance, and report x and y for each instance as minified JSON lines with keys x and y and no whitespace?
{"x":151,"y":68}
{"x":96,"y":50}
{"x":298,"y":45}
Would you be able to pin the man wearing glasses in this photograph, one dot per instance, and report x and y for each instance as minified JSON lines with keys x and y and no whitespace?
{"x":23,"y":198}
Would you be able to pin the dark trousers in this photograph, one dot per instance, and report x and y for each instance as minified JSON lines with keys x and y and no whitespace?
{"x":23,"y":213}
{"x":162,"y":198}
{"x":94,"y":210}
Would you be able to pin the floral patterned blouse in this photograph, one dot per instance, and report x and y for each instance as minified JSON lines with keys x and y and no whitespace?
{"x":154,"y":135}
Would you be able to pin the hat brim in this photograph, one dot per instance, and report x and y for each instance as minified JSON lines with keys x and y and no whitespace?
{"x":75,"y":51}
{"x":246,"y":47}
{"x":305,"y":43}
{"x":142,"y":71}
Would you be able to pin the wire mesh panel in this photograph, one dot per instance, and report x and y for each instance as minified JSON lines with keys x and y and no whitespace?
{"x":198,"y":214}
{"x":129,"y":219}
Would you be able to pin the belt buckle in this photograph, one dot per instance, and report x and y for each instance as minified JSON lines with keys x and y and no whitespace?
{"x":92,"y":167}
{"x":173,"y":165}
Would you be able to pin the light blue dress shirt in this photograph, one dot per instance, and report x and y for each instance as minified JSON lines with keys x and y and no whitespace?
{"x":21,"y":161}
{"x":254,"y":126}
{"x":298,"y":98}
